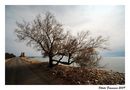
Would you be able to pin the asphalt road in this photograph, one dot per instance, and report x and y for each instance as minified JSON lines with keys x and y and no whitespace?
{"x":17,"y":72}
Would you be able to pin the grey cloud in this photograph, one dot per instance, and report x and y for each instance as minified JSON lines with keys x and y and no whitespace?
{"x":100,"y":20}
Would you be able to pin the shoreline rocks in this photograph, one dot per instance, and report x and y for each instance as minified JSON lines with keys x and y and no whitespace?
{"x":67,"y":75}
{"x":89,"y":76}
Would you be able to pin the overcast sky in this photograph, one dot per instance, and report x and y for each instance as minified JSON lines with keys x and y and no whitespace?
{"x":108,"y":21}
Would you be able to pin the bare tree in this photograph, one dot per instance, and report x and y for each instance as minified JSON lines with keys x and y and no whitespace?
{"x":83,"y":49}
{"x":46,"y":34}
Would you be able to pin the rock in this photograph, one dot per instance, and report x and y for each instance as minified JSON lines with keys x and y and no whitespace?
{"x":96,"y":81}
{"x":53,"y":73}
{"x":87,"y":82}
{"x":78,"y":82}
{"x":81,"y":71}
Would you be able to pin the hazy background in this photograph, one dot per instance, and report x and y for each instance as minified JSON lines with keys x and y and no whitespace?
{"x":108,"y":21}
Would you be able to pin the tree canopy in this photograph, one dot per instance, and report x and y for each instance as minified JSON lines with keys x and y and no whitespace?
{"x":47,"y":35}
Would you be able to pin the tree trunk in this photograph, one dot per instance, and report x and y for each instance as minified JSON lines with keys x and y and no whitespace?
{"x":69,"y":58}
{"x":50,"y":61}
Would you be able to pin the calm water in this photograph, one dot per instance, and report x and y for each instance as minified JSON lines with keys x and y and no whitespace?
{"x":116,"y":64}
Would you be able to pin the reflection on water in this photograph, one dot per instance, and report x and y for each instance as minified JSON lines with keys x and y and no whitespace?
{"x":116,"y":64}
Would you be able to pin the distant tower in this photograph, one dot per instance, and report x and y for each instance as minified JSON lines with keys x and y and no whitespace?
{"x":22,"y":54}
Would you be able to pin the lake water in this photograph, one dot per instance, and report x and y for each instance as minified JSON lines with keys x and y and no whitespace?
{"x":116,"y":64}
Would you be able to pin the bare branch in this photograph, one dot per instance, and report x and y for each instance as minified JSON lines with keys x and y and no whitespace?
{"x":47,"y":35}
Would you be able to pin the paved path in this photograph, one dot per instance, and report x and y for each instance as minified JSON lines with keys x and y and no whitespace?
{"x":18,"y":73}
